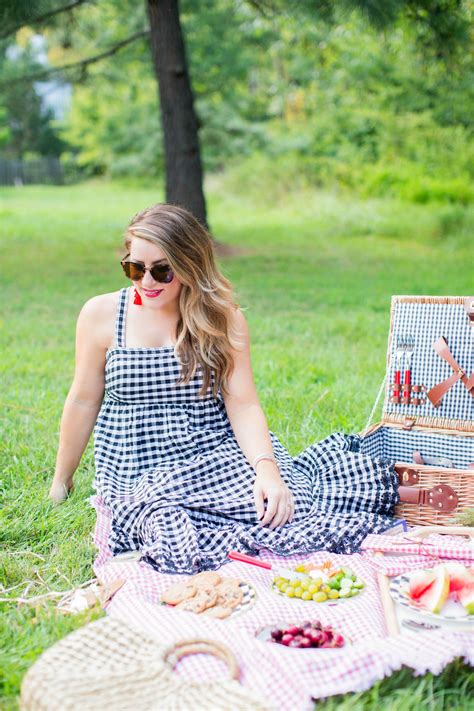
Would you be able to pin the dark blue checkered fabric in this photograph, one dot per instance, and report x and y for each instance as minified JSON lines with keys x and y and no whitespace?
{"x":425,"y":323}
{"x":400,"y":445}
{"x":180,"y":489}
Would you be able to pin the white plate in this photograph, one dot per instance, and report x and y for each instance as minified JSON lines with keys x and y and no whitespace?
{"x":452,"y":610}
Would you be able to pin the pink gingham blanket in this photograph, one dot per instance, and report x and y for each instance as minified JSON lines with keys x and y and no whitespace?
{"x":409,"y":554}
{"x":287,"y":678}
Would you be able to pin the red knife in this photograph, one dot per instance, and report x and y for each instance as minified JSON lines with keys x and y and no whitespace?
{"x":276,"y":569}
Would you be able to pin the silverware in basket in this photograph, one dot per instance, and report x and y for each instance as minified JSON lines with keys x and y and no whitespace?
{"x":398,"y":372}
{"x":408,"y":347}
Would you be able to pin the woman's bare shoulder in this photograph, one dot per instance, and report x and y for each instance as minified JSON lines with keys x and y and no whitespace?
{"x":96,"y":322}
{"x":102,"y":307}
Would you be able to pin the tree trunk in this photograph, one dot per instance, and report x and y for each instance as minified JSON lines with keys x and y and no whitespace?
{"x":180,"y":124}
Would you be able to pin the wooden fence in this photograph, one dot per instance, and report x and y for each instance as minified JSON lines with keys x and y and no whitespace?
{"x":26,"y":172}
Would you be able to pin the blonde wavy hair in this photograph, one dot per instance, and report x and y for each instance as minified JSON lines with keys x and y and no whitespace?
{"x":205,"y":334}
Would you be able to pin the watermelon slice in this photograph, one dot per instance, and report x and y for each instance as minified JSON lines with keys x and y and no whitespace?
{"x":466,"y":598}
{"x":420,"y":582}
{"x":459,"y":576}
{"x":436,"y":594}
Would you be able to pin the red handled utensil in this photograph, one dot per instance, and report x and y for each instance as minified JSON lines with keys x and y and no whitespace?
{"x":409,"y":347}
{"x":277,"y":570}
{"x":398,"y":375}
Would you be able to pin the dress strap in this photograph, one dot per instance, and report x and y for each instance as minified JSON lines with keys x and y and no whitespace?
{"x":121,"y":318}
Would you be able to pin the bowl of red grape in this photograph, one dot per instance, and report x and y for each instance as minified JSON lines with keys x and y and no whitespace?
{"x":303,"y":635}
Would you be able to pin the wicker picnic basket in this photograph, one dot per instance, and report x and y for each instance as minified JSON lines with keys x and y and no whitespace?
{"x":428,"y":429}
{"x":107,"y":665}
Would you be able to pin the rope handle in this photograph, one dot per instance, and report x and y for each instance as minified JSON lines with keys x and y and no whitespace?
{"x":173,"y":655}
{"x":377,"y":399}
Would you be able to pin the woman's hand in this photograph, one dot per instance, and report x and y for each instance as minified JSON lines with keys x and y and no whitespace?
{"x":270,"y":487}
{"x":60,"y":490}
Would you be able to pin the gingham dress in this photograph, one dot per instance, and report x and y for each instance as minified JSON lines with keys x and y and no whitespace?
{"x":180,"y":489}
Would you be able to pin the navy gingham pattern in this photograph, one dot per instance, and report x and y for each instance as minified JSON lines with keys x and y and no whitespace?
{"x":180,"y":490}
{"x":399,"y":445}
{"x":426,"y":323}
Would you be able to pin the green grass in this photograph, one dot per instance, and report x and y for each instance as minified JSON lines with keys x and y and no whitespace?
{"x":315,"y":274}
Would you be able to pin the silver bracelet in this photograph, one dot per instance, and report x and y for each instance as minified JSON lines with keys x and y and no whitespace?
{"x":261,"y":457}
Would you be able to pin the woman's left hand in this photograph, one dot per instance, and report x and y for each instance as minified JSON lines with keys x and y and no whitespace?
{"x":270,"y":487}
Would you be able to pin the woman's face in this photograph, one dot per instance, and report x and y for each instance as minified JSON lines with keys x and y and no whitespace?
{"x":155,"y":295}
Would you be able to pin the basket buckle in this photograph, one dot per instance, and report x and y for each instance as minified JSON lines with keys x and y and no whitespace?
{"x":441,"y":497}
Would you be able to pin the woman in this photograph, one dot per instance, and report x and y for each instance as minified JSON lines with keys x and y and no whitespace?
{"x":184,"y":458}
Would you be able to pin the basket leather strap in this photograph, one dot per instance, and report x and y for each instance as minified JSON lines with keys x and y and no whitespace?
{"x":437,"y":392}
{"x":441,"y":497}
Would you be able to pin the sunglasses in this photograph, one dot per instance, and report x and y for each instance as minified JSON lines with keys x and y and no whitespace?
{"x":135,"y":271}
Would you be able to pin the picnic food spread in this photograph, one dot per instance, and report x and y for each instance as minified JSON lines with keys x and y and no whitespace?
{"x":208,"y":593}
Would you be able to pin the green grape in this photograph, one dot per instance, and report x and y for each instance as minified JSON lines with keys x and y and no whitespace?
{"x":306,"y":595}
{"x":318,"y":582}
{"x":354,"y":591}
{"x":320,"y":597}
{"x":283,"y":587}
{"x":325,"y":588}
{"x":300,"y":569}
{"x":313,"y":588}
{"x":358,"y":583}
{"x":304,"y":584}
{"x":345,"y":592}
{"x":298,"y":592}
{"x":289,"y":592}
{"x":334,"y":584}
{"x":333,"y":594}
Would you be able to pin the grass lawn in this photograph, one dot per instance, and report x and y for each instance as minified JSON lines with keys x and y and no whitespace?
{"x":315,"y":274}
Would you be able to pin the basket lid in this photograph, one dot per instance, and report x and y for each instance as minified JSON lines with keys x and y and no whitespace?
{"x":420,"y":322}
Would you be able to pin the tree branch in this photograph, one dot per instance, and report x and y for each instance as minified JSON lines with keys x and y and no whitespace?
{"x":262,"y":8}
{"x":42,"y":18}
{"x":82,"y":64}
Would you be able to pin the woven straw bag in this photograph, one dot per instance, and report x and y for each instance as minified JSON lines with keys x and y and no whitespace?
{"x":107,"y":665}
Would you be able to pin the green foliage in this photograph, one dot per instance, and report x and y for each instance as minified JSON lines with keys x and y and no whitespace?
{"x":29,"y":126}
{"x":311,"y":89}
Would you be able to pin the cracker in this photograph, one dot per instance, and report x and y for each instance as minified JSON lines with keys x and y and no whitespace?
{"x":206,"y":579}
{"x":230,"y":583}
{"x":211,"y":597}
{"x":178,"y":593}
{"x":229,"y":595}
{"x":219,"y":612}
{"x":195,"y":604}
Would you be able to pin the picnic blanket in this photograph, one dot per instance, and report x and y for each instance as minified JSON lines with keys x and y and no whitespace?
{"x":287,"y":678}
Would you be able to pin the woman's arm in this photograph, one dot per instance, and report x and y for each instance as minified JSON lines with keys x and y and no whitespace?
{"x":251,"y":431}
{"x":85,"y":395}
